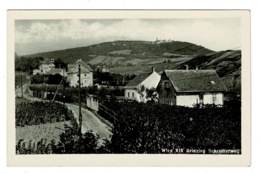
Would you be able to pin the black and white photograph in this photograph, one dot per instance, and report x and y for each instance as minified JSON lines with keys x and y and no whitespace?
{"x":109,"y":83}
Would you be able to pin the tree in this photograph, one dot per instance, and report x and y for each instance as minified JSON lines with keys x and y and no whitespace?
{"x":72,"y":143}
{"x":60,"y":64}
{"x":151,"y":94}
{"x":54,"y":79}
{"x":36,"y":79}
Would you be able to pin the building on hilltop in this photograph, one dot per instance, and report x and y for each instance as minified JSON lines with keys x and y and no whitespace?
{"x":135,"y":89}
{"x":190,"y":87}
{"x":86,"y":75}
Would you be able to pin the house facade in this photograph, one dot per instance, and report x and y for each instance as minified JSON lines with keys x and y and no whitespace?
{"x":86,"y":76}
{"x":45,"y":67}
{"x":190,"y":87}
{"x":135,"y":89}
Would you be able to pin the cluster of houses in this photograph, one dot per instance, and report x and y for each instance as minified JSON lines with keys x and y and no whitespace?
{"x":174,"y":87}
{"x":179,"y":87}
{"x":86,"y":76}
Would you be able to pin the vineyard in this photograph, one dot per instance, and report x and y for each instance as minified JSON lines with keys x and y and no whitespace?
{"x":151,"y":128}
{"x":35,"y":113}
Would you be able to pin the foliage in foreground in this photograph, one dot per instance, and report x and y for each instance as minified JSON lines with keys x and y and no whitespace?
{"x":152,"y":128}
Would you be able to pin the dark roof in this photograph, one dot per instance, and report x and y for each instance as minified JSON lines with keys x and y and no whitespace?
{"x":55,"y":71}
{"x":195,"y":80}
{"x":85,"y":68}
{"x":138,"y":79}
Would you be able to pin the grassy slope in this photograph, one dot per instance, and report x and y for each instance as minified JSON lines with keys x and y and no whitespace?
{"x":139,"y":49}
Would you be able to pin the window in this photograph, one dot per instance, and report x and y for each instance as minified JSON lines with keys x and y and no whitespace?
{"x":85,"y":75}
{"x":166,"y":85}
{"x":128,"y":94}
{"x":133,"y":94}
{"x":214,"y":97}
{"x":201,"y":99}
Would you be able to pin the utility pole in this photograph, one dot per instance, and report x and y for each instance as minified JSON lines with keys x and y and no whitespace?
{"x":63,"y":90}
{"x":22,"y":84}
{"x":80,"y":115}
{"x":46,"y":85}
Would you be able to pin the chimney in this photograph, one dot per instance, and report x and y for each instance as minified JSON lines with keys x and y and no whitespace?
{"x":197,"y":67}
{"x":153,"y":69}
{"x":187,"y":67}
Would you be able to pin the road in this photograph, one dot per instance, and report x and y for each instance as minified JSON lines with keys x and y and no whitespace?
{"x":91,"y":122}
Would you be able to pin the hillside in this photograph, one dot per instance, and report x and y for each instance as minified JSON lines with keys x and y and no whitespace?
{"x":226,"y":63}
{"x":122,"y":51}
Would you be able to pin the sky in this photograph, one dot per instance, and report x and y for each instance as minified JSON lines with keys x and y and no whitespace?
{"x":34,"y":36}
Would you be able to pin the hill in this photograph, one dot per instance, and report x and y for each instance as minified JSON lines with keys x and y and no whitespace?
{"x":122,"y":51}
{"x":226,"y":63}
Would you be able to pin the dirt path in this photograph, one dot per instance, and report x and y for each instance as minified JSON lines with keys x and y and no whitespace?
{"x":91,"y":122}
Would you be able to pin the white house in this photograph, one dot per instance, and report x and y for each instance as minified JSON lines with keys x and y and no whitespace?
{"x":45,"y":66}
{"x":190,"y":87}
{"x":86,"y":76}
{"x":133,"y":90}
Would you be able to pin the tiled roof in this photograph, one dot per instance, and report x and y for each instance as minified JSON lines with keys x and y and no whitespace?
{"x":85,"y":68}
{"x":55,"y":71}
{"x":195,"y":80}
{"x":138,"y":79}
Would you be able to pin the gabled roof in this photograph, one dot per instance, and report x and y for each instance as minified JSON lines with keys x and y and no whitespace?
{"x":85,"y":68}
{"x":195,"y":80}
{"x":138,"y":79}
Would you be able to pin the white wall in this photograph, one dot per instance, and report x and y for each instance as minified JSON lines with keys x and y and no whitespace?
{"x":46,"y":67}
{"x":191,"y":100}
{"x":136,"y":97}
{"x":187,"y":100}
{"x":208,"y":98}
{"x":85,"y":80}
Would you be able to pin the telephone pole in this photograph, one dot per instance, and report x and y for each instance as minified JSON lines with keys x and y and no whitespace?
{"x":22,"y":84}
{"x":80,"y":115}
{"x":63,"y":89}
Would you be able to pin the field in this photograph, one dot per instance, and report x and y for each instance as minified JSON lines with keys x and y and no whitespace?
{"x":146,"y":64}
{"x":35,"y":133}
